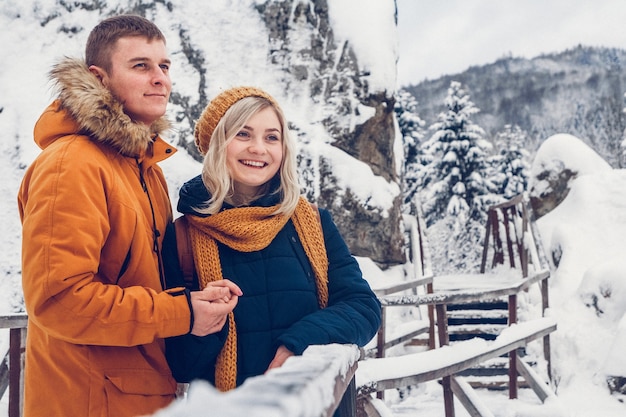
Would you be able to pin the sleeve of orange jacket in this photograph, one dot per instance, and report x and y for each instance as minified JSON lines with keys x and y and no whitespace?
{"x":67,"y":200}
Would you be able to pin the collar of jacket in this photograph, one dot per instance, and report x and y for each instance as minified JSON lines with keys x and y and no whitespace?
{"x":98,"y":113}
{"x":194,"y":194}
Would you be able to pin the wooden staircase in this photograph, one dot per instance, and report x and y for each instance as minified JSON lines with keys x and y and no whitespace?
{"x":486,"y":320}
{"x":463,"y":307}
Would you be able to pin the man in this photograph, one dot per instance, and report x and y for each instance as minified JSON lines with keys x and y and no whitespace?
{"x":94,"y":208}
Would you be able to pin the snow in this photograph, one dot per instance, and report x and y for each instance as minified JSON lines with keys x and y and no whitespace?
{"x":587,"y":289}
{"x":260,"y":395}
{"x":577,"y":157}
{"x":423,"y":362}
{"x":377,"y":47}
{"x":589,"y":228}
{"x":375,"y":193}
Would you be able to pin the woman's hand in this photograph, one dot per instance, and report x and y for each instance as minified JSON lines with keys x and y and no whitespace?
{"x":222,"y":290}
{"x":282,"y":354}
{"x":212,"y":305}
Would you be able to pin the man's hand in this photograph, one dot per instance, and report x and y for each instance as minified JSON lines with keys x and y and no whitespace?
{"x":212,"y":305}
{"x":282,"y":354}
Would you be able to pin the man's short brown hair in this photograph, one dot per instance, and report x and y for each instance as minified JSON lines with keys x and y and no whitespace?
{"x":104,"y":36}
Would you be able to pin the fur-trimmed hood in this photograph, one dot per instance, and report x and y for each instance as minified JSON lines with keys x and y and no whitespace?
{"x":96,"y":112}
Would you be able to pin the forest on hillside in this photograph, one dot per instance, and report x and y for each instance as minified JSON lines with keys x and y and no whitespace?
{"x":579,"y":91}
{"x":469,"y":139}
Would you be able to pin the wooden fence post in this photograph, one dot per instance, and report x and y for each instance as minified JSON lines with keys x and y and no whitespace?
{"x":347,"y":406}
{"x":513,"y":353}
{"x":444,"y":339}
{"x":17,"y":339}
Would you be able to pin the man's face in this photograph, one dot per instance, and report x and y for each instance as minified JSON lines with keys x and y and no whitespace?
{"x":139,"y":77}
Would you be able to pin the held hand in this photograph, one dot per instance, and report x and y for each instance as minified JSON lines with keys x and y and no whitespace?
{"x":282,"y":354}
{"x":211,"y":307}
{"x":222,"y":290}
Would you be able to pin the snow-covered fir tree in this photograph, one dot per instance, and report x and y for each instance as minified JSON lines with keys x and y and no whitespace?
{"x":457,"y":188}
{"x":456,"y":179}
{"x":511,"y":169}
{"x":412,"y":130}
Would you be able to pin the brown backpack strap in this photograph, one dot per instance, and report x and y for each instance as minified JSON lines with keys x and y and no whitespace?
{"x":185,"y":252}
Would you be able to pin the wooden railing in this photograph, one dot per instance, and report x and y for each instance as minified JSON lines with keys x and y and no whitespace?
{"x":11,"y":376}
{"x":323,"y":374}
{"x":422,"y":279}
{"x":539,"y":328}
{"x":304,"y":378}
{"x":445,"y":362}
{"x":317,"y":383}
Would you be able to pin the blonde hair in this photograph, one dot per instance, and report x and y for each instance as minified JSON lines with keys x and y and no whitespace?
{"x":215,"y":173}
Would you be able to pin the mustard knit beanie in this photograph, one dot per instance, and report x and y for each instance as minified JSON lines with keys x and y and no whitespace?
{"x":216,"y":109}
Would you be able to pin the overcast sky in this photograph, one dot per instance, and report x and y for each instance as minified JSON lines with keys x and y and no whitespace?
{"x":439,"y":37}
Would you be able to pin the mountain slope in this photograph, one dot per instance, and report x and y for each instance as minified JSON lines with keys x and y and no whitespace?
{"x":578,"y":91}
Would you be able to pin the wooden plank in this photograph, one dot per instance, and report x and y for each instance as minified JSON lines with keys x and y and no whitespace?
{"x":407,"y":285}
{"x":501,"y":314}
{"x":541,"y":389}
{"x":345,"y":394}
{"x":459,"y":360}
{"x":462,"y":297}
{"x":13,"y":321}
{"x":507,"y":232}
{"x":546,"y":340}
{"x":17,"y":341}
{"x":513,"y":353}
{"x":367,"y":409}
{"x":448,"y":398}
{"x":407,"y":336}
{"x":347,"y":404}
{"x":468,"y":398}
{"x":488,"y":226}
{"x":381,"y":335}
{"x":4,"y":375}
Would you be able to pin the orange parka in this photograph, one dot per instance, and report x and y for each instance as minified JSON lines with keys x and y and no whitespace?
{"x":94,"y":208}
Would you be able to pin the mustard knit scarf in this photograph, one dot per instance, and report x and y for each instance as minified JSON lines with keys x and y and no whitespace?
{"x":248,"y":229}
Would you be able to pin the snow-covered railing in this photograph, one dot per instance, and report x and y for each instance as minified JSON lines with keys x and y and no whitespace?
{"x":388,"y":373}
{"x":441,"y":299}
{"x":315,"y":384}
{"x":511,"y":227}
{"x":465,"y":296}
{"x":310,"y":385}
{"x":422,"y":277}
{"x":13,"y":362}
{"x":386,"y":339}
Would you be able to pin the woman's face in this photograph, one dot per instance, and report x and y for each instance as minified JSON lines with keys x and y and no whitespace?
{"x":255,"y":155}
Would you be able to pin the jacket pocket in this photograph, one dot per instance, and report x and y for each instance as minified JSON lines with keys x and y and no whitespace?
{"x":132,"y":392}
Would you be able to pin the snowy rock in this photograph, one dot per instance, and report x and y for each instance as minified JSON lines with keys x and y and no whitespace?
{"x":559,"y":160}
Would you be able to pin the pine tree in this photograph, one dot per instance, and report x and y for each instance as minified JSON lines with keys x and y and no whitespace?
{"x":456,"y":178}
{"x":457,"y":185}
{"x":510,"y":165}
{"x":412,"y":130}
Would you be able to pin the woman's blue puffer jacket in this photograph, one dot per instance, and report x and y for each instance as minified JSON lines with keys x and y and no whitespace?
{"x":279,"y":304}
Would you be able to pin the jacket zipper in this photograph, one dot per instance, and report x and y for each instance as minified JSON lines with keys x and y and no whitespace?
{"x":155,"y":230}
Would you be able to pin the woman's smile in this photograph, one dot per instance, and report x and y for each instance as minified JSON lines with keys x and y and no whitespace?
{"x":255,"y":155}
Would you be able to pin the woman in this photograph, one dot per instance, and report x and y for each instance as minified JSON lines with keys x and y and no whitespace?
{"x":248,"y":223}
